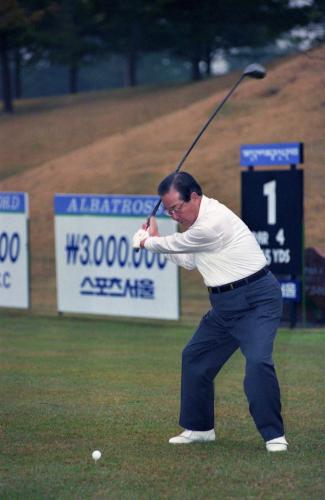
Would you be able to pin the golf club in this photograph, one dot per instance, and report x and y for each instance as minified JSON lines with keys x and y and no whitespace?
{"x":252,"y":71}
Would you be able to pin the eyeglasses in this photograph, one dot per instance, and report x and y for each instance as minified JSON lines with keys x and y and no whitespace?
{"x":175,"y":209}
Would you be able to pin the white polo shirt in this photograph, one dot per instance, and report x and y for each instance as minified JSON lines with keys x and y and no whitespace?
{"x":218,"y":244}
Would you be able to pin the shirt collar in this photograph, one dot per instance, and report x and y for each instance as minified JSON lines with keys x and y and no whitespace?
{"x":203,"y":207}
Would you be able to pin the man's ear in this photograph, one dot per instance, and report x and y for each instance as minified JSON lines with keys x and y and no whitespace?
{"x":194,"y":196}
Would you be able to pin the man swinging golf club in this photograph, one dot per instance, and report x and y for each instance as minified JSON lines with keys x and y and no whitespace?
{"x":246,"y":305}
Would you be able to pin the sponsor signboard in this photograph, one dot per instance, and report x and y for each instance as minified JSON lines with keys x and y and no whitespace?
{"x":97,"y":269}
{"x":14,"y":276}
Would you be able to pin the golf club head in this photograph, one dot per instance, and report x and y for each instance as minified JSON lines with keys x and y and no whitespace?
{"x":255,"y":71}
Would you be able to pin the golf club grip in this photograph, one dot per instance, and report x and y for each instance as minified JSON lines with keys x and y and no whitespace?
{"x":153,"y":213}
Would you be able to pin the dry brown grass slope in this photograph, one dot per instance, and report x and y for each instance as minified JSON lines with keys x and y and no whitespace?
{"x":287,"y":106}
{"x":43,"y":129}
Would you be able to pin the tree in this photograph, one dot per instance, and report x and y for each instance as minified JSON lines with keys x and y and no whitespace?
{"x":70,"y":38}
{"x":192,"y":30}
{"x":316,"y":21}
{"x":198,"y":29}
{"x":132,"y":28}
{"x":19,"y":22}
{"x":12,"y":21}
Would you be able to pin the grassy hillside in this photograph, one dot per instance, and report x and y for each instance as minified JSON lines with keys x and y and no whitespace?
{"x":125,"y":141}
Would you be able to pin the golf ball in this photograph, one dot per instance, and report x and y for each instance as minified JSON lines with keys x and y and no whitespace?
{"x":96,"y":455}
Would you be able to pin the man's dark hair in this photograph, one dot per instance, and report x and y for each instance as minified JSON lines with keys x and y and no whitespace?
{"x":183,"y":183}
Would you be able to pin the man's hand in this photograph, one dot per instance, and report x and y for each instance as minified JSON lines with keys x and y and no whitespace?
{"x":142,"y":234}
{"x":139,"y":236}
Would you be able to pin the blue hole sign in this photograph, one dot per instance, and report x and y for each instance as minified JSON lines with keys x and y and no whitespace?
{"x":272,"y":207}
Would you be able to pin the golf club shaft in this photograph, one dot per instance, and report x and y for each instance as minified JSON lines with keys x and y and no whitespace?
{"x":196,"y":140}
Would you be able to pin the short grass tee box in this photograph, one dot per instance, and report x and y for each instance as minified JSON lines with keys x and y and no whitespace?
{"x":14,"y":276}
{"x":98,"y":271}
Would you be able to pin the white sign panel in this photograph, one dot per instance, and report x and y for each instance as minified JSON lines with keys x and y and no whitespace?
{"x":14,"y":283}
{"x":97,"y":269}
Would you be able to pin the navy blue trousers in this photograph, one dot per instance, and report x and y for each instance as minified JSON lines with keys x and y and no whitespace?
{"x":246,"y":318}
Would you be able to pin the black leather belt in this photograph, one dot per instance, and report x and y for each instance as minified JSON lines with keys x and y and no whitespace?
{"x":237,"y":284}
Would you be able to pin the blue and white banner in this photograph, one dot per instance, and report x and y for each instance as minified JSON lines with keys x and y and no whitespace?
{"x":107,"y":205}
{"x":14,"y":276}
{"x":271,"y":154}
{"x":97,"y":269}
{"x":13,"y":203}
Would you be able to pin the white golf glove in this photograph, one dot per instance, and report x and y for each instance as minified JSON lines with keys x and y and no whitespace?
{"x":140,"y":235}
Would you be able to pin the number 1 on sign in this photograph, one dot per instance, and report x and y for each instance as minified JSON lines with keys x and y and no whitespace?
{"x":269,"y":190}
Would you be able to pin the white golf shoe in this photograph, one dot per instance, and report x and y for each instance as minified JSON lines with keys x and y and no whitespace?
{"x":188,"y":437}
{"x":277,"y":444}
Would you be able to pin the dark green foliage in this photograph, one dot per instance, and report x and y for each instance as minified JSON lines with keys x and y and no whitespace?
{"x":75,"y":33}
{"x":70,"y":38}
{"x":20,"y":22}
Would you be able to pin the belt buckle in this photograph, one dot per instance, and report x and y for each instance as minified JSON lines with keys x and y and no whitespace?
{"x":231,"y":286}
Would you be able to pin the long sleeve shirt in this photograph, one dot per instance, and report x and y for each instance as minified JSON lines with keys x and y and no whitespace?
{"x":218,"y":244}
